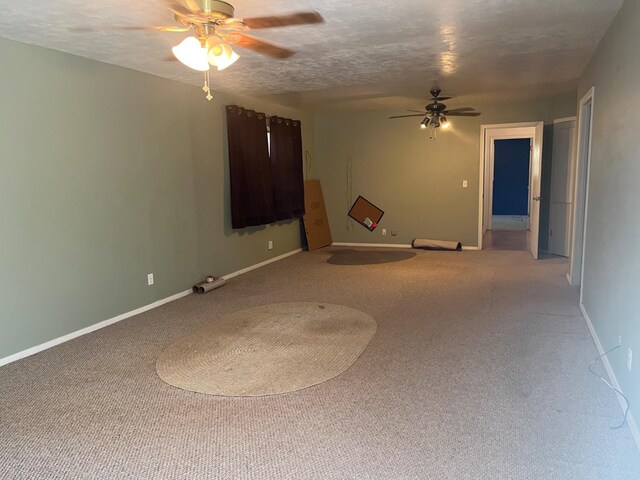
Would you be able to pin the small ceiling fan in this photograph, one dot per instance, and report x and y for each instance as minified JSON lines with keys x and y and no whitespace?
{"x":436,"y":113}
{"x":215,"y":29}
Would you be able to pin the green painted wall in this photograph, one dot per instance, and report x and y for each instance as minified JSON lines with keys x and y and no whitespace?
{"x":107,"y":174}
{"x":415,"y":180}
{"x":612,"y":258}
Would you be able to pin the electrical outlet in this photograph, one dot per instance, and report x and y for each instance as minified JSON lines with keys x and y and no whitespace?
{"x":150,"y":280}
{"x":384,"y":232}
{"x":465,"y":184}
{"x":270,"y":245}
{"x":629,"y":358}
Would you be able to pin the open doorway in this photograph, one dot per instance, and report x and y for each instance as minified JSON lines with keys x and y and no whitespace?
{"x":509,"y":217}
{"x":508,"y":227}
{"x":511,"y":176}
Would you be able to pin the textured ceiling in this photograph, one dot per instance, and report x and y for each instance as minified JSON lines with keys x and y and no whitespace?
{"x":366,"y":51}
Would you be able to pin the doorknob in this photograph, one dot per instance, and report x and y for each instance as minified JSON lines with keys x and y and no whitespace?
{"x":537,"y":199}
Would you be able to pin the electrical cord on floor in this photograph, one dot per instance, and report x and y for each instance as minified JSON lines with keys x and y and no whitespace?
{"x":595,"y":360}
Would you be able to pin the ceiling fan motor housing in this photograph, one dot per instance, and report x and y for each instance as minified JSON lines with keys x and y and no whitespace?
{"x":436,"y":107}
{"x":216,"y":7}
{"x":209,"y":13}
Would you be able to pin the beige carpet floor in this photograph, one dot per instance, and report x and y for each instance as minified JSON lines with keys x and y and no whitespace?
{"x":268,"y":350}
{"x":478,"y":370}
{"x":348,"y":256}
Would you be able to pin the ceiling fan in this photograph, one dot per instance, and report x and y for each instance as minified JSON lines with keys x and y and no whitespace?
{"x":436,"y":113}
{"x":215,"y":29}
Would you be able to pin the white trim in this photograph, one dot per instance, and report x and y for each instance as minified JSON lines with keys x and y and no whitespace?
{"x":568,"y":275}
{"x":586,"y":199}
{"x":92,"y":328}
{"x":483,"y":139}
{"x":488,"y":134}
{"x":580,"y":190}
{"x":472,"y":248}
{"x":384,"y":245}
{"x":261,"y":264}
{"x":97,"y":326}
{"x":566,"y":119}
{"x":633,"y":426}
{"x":511,"y":125}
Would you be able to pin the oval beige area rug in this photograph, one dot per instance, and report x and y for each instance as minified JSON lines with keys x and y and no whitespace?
{"x":268,"y":350}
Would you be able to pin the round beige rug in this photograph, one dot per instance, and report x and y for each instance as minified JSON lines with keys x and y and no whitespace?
{"x":368,"y":257}
{"x":268,"y":350}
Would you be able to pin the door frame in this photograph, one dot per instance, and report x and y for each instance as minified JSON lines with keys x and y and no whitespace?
{"x":488,"y":135}
{"x":580,"y":175}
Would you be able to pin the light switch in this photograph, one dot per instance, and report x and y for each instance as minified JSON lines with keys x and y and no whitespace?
{"x":465,"y":184}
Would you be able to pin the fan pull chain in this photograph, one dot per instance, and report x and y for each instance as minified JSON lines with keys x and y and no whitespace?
{"x":205,"y":87}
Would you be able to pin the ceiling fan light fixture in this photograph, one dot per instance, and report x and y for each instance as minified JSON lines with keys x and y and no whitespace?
{"x":220,"y":55}
{"x":192,"y":54}
{"x":444,"y":123}
{"x":228,"y":60}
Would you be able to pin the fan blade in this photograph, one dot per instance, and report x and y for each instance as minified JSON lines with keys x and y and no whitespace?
{"x":462,"y":109}
{"x":301,"y":18}
{"x":418,"y":111}
{"x":259,"y":46}
{"x":232,"y":24}
{"x":406,"y":116}
{"x":463,"y":114}
{"x":442,"y":99}
{"x":114,"y":28}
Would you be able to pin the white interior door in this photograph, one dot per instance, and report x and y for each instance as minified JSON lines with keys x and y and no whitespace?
{"x":561,"y":201}
{"x":534,"y":192}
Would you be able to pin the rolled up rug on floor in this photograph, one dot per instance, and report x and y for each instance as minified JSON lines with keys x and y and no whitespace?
{"x":427,"y":244}
{"x":204,"y":287}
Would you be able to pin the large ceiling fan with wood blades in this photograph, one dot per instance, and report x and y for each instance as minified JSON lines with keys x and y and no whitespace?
{"x":435,"y":114}
{"x":215,"y":29}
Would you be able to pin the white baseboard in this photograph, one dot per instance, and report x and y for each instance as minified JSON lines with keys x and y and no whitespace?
{"x":569,"y":279}
{"x":633,"y":426}
{"x":92,"y":328}
{"x":261,"y":264}
{"x":472,"y":248}
{"x":381,"y":245}
{"x":384,"y":245}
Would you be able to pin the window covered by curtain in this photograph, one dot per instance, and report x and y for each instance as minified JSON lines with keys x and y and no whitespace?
{"x":286,"y":168}
{"x":252,"y":199}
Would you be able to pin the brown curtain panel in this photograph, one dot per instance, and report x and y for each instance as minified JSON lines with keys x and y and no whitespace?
{"x":249,"y":168}
{"x":286,"y":168}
